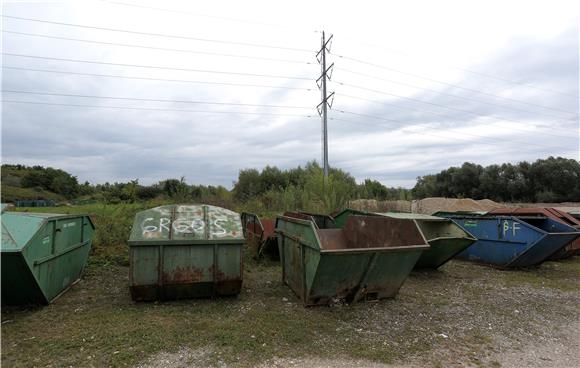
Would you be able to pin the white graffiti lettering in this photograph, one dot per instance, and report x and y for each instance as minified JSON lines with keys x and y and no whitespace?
{"x":506,"y":227}
{"x":198,"y":225}
{"x":515,"y":227}
{"x":181,"y":226}
{"x":219,"y":230}
{"x":184,"y":225}
{"x":163,"y":222}
{"x":148,"y":228}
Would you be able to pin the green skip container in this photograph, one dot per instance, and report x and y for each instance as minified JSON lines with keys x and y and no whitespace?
{"x":445,"y":238}
{"x":185,"y":251}
{"x":43,"y":255}
{"x":368,"y":258}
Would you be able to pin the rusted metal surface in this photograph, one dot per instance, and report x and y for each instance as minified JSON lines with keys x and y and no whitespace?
{"x":260,"y":236}
{"x":572,"y":249}
{"x":445,"y":238}
{"x":185,"y":251}
{"x":550,"y":212}
{"x":184,"y":275}
{"x":373,"y":232}
{"x":365,"y":260}
{"x":332,"y":239}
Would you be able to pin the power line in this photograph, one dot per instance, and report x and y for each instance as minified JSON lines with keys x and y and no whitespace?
{"x":155,"y":67}
{"x":158,"y":109}
{"x":455,"y":131}
{"x":245,"y":113}
{"x":159,"y":48}
{"x":441,"y":82}
{"x":157,"y":34}
{"x":424,"y":102}
{"x":156,"y":100}
{"x":438,"y":114}
{"x":417,"y":133}
{"x":156,"y":79}
{"x":432,"y":112}
{"x":453,"y":95}
{"x":209,"y":16}
{"x":401,"y":123}
{"x":502,"y":79}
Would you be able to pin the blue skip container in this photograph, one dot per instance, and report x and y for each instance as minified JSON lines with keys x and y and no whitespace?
{"x":513,"y":242}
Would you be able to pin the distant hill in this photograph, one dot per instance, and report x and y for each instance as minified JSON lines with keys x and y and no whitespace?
{"x":18,"y":182}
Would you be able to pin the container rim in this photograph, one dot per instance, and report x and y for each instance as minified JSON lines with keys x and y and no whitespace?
{"x":377,"y":249}
{"x":185,"y":242}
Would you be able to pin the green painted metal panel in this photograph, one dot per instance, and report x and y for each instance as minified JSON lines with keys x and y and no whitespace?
{"x":368,"y":258}
{"x":411,"y":216}
{"x":442,"y":251}
{"x":185,"y":251}
{"x":148,"y":258}
{"x":446,"y":239}
{"x":42,"y":255}
{"x":20,"y":228}
{"x":459,"y":213}
{"x":341,"y":217}
{"x":8,"y":243}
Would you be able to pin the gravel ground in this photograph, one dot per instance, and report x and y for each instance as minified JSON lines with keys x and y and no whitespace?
{"x":469,"y":316}
{"x":463,"y":315}
{"x":562,"y":351}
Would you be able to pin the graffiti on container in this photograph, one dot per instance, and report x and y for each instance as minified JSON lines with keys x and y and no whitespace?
{"x":514,"y":227}
{"x":189,"y":222}
{"x":150,"y":225}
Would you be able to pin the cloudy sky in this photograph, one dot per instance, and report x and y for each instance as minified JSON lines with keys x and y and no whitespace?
{"x":188,"y":89}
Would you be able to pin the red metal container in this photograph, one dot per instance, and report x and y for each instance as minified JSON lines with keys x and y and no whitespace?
{"x":260,"y":235}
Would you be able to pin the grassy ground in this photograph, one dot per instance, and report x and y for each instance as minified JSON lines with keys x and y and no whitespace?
{"x":463,"y":312}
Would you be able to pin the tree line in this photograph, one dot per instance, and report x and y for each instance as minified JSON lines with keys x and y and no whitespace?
{"x":269,"y":189}
{"x":304,"y":187}
{"x":554,"y":179}
{"x":67,"y":186}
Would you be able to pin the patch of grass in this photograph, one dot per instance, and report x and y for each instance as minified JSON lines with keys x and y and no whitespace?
{"x":371,"y":351}
{"x":562,"y":275}
{"x":11,"y":193}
